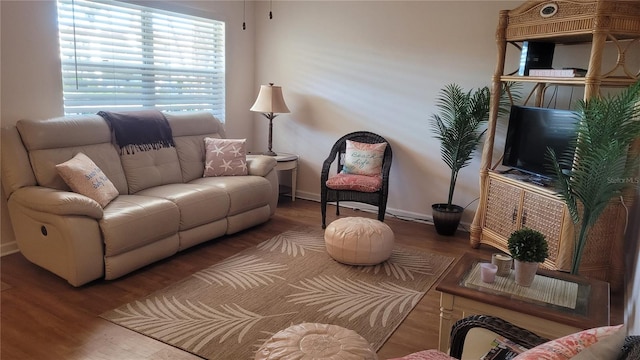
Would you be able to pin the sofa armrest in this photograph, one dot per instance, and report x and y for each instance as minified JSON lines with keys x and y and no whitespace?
{"x":260,"y":165}
{"x":57,"y":202}
{"x":501,"y":327}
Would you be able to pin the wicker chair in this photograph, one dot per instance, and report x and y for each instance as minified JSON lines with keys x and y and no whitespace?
{"x":629,"y":351}
{"x":377,"y":198}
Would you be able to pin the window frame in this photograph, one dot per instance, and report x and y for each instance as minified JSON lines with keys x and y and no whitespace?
{"x":119,"y":56}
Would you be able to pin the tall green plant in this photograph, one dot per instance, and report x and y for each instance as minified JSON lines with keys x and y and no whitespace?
{"x":457,"y":126}
{"x":459,"y":121}
{"x":603,"y":166}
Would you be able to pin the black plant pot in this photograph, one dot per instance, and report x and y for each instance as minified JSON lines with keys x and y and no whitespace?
{"x":446,"y":218}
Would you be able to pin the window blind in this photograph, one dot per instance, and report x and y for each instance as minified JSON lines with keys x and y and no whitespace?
{"x":120,"y":57}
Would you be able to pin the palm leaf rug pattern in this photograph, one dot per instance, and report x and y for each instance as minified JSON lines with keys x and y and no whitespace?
{"x":228,"y":310}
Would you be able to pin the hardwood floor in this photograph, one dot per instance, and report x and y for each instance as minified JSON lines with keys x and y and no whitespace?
{"x":43,"y":317}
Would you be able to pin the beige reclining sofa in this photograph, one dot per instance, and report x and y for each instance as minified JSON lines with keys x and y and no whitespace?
{"x":164,"y":204}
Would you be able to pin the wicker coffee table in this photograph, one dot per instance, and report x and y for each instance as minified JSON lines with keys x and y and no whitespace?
{"x":557,"y":304}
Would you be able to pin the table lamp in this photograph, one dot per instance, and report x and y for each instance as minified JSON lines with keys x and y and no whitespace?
{"x":270,"y":102}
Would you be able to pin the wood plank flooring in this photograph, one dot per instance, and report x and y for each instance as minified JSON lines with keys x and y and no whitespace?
{"x":43,"y":317}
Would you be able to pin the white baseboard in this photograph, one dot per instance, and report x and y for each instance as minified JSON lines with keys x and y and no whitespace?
{"x":397,"y":213}
{"x":9,"y":248}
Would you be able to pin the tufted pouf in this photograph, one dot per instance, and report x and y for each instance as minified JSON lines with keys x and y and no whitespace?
{"x":310,"y":341}
{"x":359,"y":241}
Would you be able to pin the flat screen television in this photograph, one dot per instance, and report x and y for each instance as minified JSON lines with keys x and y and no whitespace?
{"x":531,"y":131}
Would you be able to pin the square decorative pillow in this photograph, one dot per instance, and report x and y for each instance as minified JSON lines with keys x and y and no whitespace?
{"x":225,"y":157}
{"x":360,"y":183}
{"x":569,"y":346}
{"x":363,"y":159}
{"x":85,"y":177}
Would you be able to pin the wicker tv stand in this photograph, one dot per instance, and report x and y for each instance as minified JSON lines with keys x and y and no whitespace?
{"x":507,"y":204}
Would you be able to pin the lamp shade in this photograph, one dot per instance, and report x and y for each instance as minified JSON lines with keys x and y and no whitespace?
{"x":270,"y":100}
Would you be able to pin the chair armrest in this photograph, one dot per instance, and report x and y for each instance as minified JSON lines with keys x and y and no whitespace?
{"x":631,"y":348}
{"x":326,"y":166}
{"x":501,"y":327}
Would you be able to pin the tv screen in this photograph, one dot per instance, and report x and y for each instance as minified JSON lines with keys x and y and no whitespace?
{"x":531,"y":131}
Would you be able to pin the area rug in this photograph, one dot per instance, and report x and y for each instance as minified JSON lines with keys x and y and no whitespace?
{"x":228,"y":310}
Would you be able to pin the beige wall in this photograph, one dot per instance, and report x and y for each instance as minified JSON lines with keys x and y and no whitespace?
{"x":377,"y":66}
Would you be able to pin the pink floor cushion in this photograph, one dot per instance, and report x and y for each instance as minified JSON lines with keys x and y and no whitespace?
{"x":312,"y":341}
{"x":359,"y":241}
{"x":426,"y":355}
{"x":364,"y":183}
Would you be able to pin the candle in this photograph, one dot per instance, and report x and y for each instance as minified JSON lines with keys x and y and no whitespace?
{"x":488,"y":272}
{"x":503,"y":262}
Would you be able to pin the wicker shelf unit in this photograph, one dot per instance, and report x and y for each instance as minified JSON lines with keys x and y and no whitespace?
{"x":568,"y":22}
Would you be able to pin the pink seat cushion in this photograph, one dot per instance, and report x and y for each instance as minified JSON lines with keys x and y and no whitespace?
{"x":426,"y":355}
{"x":363,"y":183}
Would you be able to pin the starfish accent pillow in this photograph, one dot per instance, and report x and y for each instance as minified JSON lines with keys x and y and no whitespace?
{"x":225,"y":157}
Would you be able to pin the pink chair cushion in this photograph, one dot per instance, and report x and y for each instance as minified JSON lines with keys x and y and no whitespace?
{"x":426,"y":355}
{"x":361,"y":183}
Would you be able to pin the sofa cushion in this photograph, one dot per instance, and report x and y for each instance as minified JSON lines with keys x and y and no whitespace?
{"x":53,"y":141}
{"x":225,"y":157}
{"x":198,"y":204}
{"x":84,"y":177}
{"x":146,"y":169}
{"x":189,"y":130}
{"x":363,"y":159}
{"x":245,"y":192}
{"x":132,"y":221}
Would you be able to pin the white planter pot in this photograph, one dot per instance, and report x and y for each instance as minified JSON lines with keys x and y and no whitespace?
{"x":525,"y":272}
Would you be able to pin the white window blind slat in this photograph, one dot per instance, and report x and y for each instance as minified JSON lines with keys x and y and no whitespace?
{"x":120,"y":56}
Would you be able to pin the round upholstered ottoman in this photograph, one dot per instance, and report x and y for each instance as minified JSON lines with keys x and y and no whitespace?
{"x":310,"y":341}
{"x":359,"y":241}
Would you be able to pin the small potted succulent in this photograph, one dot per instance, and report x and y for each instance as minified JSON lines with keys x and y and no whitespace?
{"x":528,"y":248}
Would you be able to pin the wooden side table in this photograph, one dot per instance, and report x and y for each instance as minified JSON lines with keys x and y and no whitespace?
{"x":288,"y":161}
{"x":460,"y":298}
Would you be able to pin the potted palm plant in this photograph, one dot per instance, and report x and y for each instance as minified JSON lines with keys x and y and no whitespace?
{"x":528,"y":248}
{"x":604,"y":165}
{"x":458,"y":127}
